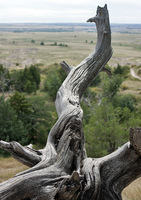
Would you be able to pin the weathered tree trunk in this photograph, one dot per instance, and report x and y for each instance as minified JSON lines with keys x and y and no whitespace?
{"x":62,"y":170}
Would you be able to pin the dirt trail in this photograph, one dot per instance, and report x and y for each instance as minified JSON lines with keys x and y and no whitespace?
{"x":134,"y":75}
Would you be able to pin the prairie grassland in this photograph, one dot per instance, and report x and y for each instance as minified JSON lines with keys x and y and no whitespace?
{"x":9,"y":167}
{"x":17,"y":50}
{"x":26,"y":53}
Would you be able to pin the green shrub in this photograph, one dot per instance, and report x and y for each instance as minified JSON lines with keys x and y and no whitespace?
{"x":124,"y":87}
{"x":121,"y":70}
{"x":96,"y":81}
{"x":32,"y":41}
{"x":27,"y":114}
{"x":110,"y":86}
{"x":20,"y":104}
{"x":42,"y":43}
{"x":126,"y":100}
{"x":11,"y":126}
{"x":45,"y":115}
{"x":6,"y":80}
{"x":53,"y":81}
{"x":103,"y":132}
{"x":27,"y":80}
{"x":139,"y":72}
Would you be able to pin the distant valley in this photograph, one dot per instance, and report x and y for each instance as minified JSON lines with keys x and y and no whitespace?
{"x":65,"y":27}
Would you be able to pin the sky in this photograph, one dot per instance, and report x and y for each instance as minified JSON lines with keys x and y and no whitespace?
{"x":55,"y":11}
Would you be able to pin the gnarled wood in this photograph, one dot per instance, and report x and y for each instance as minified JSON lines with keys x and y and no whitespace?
{"x":25,"y":155}
{"x":62,"y":170}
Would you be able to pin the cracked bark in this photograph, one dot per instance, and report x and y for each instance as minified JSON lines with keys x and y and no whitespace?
{"x":62,"y":169}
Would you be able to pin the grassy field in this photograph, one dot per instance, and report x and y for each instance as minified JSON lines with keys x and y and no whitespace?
{"x":17,"y":50}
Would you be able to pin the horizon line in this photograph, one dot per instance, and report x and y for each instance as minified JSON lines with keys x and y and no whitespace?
{"x":65,"y":23}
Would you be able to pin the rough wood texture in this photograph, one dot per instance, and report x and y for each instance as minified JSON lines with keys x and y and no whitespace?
{"x":62,"y":170}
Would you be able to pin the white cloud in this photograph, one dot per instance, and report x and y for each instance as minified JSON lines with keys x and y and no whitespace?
{"x":44,"y":16}
{"x":127,"y":11}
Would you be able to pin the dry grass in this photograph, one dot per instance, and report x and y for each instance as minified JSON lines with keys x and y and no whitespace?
{"x":23,"y":52}
{"x":133,"y":191}
{"x":134,"y":88}
{"x":9,"y":167}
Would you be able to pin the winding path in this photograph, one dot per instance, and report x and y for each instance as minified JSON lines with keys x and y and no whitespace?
{"x":134,"y":75}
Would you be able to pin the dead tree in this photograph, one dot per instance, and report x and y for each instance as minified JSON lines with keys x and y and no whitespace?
{"x":62,"y":169}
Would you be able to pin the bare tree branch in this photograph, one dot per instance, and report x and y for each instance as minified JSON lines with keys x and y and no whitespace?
{"x":25,"y":155}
